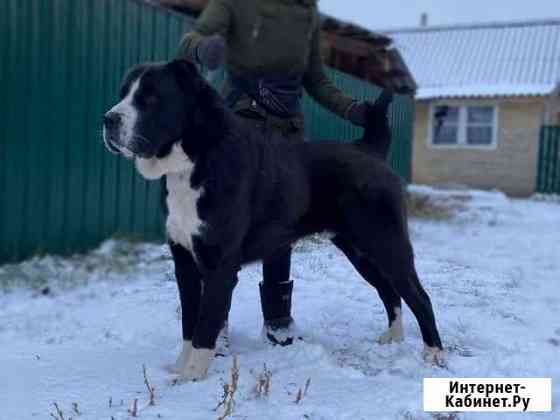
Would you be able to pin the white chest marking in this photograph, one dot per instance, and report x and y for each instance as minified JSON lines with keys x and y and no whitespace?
{"x":183,"y":221}
{"x":129,"y":115}
{"x":175,"y":162}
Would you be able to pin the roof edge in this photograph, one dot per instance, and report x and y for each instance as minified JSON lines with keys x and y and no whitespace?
{"x":420,"y":97}
{"x":489,"y":91}
{"x":483,"y":25}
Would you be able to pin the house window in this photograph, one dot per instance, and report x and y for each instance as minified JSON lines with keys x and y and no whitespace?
{"x":466,"y":126}
{"x":446,"y":125}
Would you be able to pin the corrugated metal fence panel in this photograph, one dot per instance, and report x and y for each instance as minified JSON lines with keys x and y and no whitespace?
{"x":61,"y":64}
{"x":548,"y":178}
{"x":62,"y":61}
{"x":323,"y":125}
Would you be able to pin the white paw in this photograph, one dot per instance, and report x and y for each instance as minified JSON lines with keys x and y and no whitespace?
{"x":395,"y":333}
{"x":222,"y":342}
{"x":434,"y":356}
{"x":197,"y":364}
{"x":183,"y":357}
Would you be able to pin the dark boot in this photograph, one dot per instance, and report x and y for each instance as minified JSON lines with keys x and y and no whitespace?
{"x":276,"y":298}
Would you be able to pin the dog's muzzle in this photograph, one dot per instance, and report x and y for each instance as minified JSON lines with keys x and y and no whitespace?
{"x":127,"y":144}
{"x":111,"y":129}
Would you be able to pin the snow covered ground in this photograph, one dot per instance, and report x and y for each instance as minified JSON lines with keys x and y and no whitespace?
{"x":84,"y":329}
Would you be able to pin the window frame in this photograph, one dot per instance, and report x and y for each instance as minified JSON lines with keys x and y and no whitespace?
{"x":462,"y":127}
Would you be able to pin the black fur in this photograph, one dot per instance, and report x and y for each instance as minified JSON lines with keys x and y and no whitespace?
{"x":261,"y":194}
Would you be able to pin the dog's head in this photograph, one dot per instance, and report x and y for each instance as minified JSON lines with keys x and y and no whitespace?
{"x":160,"y":105}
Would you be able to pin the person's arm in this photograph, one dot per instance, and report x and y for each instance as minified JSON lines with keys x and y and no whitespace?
{"x":215,"y":20}
{"x":318,"y":85}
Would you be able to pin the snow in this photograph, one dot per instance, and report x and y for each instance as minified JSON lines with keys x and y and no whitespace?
{"x":492,"y":271}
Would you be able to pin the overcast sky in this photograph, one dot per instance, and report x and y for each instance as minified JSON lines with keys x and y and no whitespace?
{"x":375,"y":14}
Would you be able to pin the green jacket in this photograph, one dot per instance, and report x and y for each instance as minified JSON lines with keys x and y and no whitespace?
{"x":270,"y":37}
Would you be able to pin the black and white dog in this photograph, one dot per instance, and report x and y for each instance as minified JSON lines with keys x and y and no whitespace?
{"x":235,"y":197}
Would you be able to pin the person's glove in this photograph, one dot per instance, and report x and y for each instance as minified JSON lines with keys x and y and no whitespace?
{"x":357,"y":114}
{"x":211,"y":51}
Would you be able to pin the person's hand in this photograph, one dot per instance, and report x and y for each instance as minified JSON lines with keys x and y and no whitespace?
{"x":211,"y":51}
{"x":357,"y":114}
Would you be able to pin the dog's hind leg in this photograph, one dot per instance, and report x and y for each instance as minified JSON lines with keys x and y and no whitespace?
{"x":390,"y":298}
{"x":383,"y":239}
{"x":189,"y":284}
{"x":393,"y":254}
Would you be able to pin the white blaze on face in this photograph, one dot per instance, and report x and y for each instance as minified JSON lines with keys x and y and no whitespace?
{"x":129,"y":115}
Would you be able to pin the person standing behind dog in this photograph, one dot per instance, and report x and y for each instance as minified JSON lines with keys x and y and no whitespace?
{"x":271,"y":53}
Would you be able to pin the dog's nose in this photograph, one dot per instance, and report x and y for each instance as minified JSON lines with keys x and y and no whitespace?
{"x":111,"y":119}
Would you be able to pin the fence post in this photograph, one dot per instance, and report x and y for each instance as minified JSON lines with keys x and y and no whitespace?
{"x":548,"y":169}
{"x":540,"y":161}
{"x":555,"y":161}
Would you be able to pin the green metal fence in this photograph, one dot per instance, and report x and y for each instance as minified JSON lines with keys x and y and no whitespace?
{"x":548,"y":175}
{"x":323,"y":125}
{"x":60,"y":66}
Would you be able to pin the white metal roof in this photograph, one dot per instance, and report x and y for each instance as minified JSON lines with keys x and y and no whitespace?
{"x":495,"y":59}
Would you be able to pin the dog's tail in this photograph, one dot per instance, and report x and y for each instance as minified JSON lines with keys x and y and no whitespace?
{"x":377,"y":134}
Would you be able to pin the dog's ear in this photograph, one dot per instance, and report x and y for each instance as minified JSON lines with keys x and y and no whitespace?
{"x":209,"y":112}
{"x":187,"y":76}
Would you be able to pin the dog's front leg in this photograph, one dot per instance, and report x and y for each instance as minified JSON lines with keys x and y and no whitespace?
{"x":217,"y":288}
{"x":189,"y":284}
